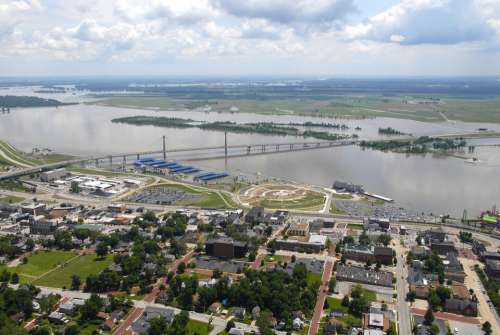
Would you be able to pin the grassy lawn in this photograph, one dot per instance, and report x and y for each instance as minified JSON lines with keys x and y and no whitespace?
{"x":313,"y":278}
{"x":350,"y":320}
{"x":355,"y":226}
{"x":275,"y":258}
{"x":199,"y":328}
{"x":16,"y":155}
{"x":335,"y":210}
{"x":41,"y":262}
{"x":13,"y":185}
{"x":312,"y":200}
{"x":369,"y":295}
{"x":54,"y":158}
{"x":96,"y":172}
{"x":342,"y":196}
{"x":82,"y":266}
{"x":10,"y":199}
{"x":336,"y":304}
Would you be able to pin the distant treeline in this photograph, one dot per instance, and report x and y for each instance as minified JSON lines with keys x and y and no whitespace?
{"x":389,"y":131}
{"x":421,"y":145}
{"x":265,"y":128}
{"x":11,"y":101}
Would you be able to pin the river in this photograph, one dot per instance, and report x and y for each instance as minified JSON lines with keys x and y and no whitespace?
{"x":431,"y":184}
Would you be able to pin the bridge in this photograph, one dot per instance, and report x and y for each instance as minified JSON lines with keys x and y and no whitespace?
{"x":205,"y":153}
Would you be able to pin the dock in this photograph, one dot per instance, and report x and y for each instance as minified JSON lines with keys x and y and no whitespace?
{"x":376,"y":196}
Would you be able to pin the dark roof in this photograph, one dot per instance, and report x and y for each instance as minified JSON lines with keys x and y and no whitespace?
{"x":383,"y":251}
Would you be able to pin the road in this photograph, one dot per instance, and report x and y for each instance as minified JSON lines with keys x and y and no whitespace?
{"x":472,"y":281}
{"x":402,"y":306}
{"x":320,"y":301}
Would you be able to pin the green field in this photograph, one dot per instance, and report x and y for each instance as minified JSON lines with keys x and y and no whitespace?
{"x":10,"y":199}
{"x":55,"y":268}
{"x":442,"y":107}
{"x":311,"y":201}
{"x":199,"y":328}
{"x":40,"y":263}
{"x":355,"y":226}
{"x":82,"y":266}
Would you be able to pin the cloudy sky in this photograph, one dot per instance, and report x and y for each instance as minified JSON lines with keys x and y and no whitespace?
{"x":250,"y":37}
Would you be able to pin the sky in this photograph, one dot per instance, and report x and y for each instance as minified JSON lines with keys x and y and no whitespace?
{"x":250,"y":37}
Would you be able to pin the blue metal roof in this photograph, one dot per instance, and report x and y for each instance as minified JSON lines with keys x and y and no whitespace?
{"x":201,"y":175}
{"x":191,"y":170}
{"x":215,"y":176}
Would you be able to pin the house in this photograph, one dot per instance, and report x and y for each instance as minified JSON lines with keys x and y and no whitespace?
{"x":255,"y":312}
{"x":453,"y":269}
{"x":442,"y":248}
{"x":297,"y":324}
{"x":236,"y":331}
{"x":215,"y":308}
{"x":376,"y":321}
{"x":67,"y":308}
{"x":238,"y":312}
{"x":421,"y":283}
{"x":255,"y":215}
{"x":108,"y":325}
{"x":492,"y":268}
{"x":380,"y":224}
{"x":57,"y":317}
{"x":467,"y":307}
{"x":141,"y":325}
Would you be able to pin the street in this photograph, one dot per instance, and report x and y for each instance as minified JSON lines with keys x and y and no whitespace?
{"x":402,"y":306}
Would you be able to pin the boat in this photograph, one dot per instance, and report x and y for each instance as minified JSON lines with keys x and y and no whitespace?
{"x":472,"y":160}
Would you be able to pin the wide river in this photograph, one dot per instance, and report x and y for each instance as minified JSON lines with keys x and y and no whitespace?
{"x":436,"y":185}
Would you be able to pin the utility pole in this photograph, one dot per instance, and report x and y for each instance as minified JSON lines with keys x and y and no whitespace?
{"x":225,"y":144}
{"x":164,"y":148}
{"x":225,"y":149}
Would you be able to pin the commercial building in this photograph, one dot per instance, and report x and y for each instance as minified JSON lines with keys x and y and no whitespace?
{"x":361,"y":275}
{"x":255,"y":215}
{"x":42,"y":226}
{"x":359,"y":253}
{"x":347,"y":187}
{"x":443,"y":248}
{"x":300,"y":246}
{"x":384,"y":255}
{"x":225,"y":247}
{"x":50,"y":176}
{"x":298,"y":229}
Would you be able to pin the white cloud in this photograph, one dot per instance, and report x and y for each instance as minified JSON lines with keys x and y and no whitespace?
{"x":441,"y":22}
{"x":289,"y":12}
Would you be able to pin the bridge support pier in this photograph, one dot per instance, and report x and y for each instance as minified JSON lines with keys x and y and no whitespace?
{"x":277,"y":147}
{"x":110,"y":160}
{"x":263,"y":148}
{"x":249,"y":148}
{"x":96,"y":163}
{"x":138,"y":156}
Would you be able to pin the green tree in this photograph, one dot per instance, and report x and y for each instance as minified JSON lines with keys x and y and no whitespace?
{"x":230,"y":324}
{"x":264,"y":324}
{"x":30,"y":244}
{"x":428,"y":317}
{"x":487,"y":328}
{"x":91,"y":307}
{"x":14,"y":279}
{"x":158,"y":326}
{"x":75,"y":282}
{"x":384,"y":239}
{"x":331,"y":284}
{"x":102,"y":249}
